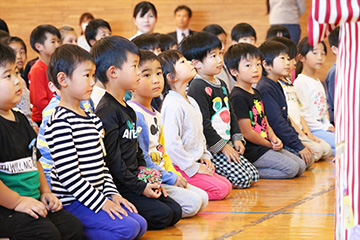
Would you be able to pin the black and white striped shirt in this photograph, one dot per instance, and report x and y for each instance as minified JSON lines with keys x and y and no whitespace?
{"x":79,"y":171}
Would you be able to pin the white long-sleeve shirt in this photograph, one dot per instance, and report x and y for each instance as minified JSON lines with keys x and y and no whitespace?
{"x":183,"y":131}
{"x":313,"y":102}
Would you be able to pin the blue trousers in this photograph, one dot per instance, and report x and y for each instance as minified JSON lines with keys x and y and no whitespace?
{"x":101,"y":226}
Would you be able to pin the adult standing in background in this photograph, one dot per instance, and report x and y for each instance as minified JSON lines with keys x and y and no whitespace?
{"x":84,"y":21}
{"x":182,"y":16}
{"x":287,"y":13}
{"x":145,"y":18}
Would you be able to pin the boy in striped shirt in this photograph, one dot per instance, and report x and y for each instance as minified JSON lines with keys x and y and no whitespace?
{"x":80,"y":178}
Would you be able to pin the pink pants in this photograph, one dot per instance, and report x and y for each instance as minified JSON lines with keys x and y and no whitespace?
{"x":217,"y":187}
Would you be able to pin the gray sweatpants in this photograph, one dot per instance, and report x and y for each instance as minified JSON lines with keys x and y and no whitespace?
{"x":279,"y":165}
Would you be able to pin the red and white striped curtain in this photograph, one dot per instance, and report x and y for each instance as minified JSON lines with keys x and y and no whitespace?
{"x":325,"y":15}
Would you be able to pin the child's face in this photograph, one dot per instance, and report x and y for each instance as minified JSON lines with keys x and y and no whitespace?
{"x":151,"y":80}
{"x":281,"y":65}
{"x":70,"y":38}
{"x":10,"y":86}
{"x":292,"y":65}
{"x":315,"y":58}
{"x":146,"y":23}
{"x":212,"y":64}
{"x":247,"y":39}
{"x":249,"y":70}
{"x":81,"y":83}
{"x":101,"y":33}
{"x":184,"y":70}
{"x":20,"y":54}
{"x":129,"y":73}
{"x":50,"y":44}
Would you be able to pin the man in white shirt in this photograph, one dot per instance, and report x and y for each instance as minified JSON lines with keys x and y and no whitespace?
{"x":182,"y":15}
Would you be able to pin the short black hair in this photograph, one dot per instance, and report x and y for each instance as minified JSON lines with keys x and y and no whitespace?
{"x":184,"y":7}
{"x":147,"y":55}
{"x":214,"y":29}
{"x":111,"y":51}
{"x":92,"y":28}
{"x":4,"y":26}
{"x":147,"y":41}
{"x":38,"y":35}
{"x":65,"y":59}
{"x":276,"y":30}
{"x":334,"y":37}
{"x":289,"y":43}
{"x":242,"y":30}
{"x":168,"y":60}
{"x":238,"y":52}
{"x":270,"y":50}
{"x":143,"y":7}
{"x":166,"y":41}
{"x":7,"y":55}
{"x":19,"y":40}
{"x":198,"y":45}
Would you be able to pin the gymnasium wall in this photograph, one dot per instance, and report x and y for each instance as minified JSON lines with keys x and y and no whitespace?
{"x":23,"y":16}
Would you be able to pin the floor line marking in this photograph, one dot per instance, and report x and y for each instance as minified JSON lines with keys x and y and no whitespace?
{"x":289,"y":213}
{"x":275,"y":213}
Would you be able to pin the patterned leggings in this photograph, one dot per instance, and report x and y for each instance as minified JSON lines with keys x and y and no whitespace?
{"x":239,"y":174}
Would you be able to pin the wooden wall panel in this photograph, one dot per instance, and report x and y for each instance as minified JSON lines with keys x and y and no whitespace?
{"x":23,"y":16}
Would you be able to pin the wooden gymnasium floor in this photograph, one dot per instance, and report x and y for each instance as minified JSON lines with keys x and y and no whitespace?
{"x":301,"y":208}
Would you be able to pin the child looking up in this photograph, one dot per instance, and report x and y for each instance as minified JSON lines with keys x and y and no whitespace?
{"x":44,"y":39}
{"x":151,"y":139}
{"x":80,"y":176}
{"x":221,"y":129}
{"x":182,"y":120}
{"x":28,"y":209}
{"x":262,"y":145}
{"x":311,"y":91}
{"x":117,"y":62}
{"x":276,"y":65}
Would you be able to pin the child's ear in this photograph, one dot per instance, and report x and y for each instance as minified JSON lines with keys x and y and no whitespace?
{"x":301,"y":58}
{"x":38,"y":46}
{"x":334,"y":50}
{"x":170,"y":77}
{"x":234,"y":72}
{"x":266,"y":66}
{"x":196,"y":64}
{"x":62,"y":79}
{"x":92,"y":42}
{"x":234,"y":42}
{"x":111,"y":72}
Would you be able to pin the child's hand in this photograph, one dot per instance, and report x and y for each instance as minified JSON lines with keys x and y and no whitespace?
{"x":31,"y":206}
{"x":204,"y":170}
{"x":230,"y":153}
{"x":239,"y":147}
{"x":331,"y":129}
{"x":122,"y":201}
{"x":150,"y":192}
{"x":52,"y":203}
{"x":306,"y":155}
{"x":180,"y":182}
{"x":163,"y":190}
{"x":112,"y":208}
{"x":276,"y":144}
{"x":208,"y":164}
{"x":312,"y":137}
